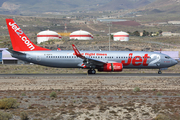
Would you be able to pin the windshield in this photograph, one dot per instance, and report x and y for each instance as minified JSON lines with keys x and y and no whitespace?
{"x":167,"y":57}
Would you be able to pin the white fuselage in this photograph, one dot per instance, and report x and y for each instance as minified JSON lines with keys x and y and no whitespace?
{"x":67,"y":59}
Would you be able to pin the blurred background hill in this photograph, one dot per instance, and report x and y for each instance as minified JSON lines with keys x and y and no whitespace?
{"x":39,"y":6}
{"x":161,"y":8}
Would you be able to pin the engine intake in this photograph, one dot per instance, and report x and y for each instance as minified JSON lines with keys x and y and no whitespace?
{"x":111,"y":67}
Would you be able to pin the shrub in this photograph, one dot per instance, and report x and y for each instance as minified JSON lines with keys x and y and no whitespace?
{"x":5,"y":116}
{"x":136,"y":89}
{"x":23,"y":94}
{"x":24,"y":116}
{"x":7,"y":103}
{"x":53,"y":94}
{"x":162,"y":117}
{"x":159,"y":94}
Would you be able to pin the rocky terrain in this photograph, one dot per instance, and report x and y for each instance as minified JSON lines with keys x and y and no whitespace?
{"x":93,"y":97}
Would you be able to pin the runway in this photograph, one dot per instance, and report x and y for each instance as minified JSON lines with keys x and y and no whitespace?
{"x":110,"y":81}
{"x":94,"y":75}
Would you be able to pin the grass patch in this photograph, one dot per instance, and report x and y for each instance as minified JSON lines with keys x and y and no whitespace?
{"x":5,"y":116}
{"x":159,"y":94}
{"x":8,"y":103}
{"x":136,"y":89}
{"x":23,"y":94}
{"x":53,"y":94}
{"x":24,"y":116}
{"x":162,"y":117}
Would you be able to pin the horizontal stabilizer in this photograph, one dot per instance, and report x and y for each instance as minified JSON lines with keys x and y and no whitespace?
{"x":15,"y":52}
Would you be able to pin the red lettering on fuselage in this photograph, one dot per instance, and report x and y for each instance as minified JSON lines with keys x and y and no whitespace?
{"x":145,"y":60}
{"x":89,"y":54}
{"x":129,"y":60}
{"x":136,"y":61}
{"x":92,"y":54}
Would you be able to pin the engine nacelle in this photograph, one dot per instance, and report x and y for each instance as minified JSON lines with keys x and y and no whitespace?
{"x":111,"y":67}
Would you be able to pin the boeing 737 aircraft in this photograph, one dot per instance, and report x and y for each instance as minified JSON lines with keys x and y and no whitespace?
{"x":106,"y":61}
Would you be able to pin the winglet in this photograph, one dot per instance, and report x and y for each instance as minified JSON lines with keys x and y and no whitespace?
{"x":77,"y":53}
{"x":20,"y":42}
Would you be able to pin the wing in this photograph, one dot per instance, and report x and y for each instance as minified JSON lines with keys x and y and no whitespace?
{"x":87,"y":61}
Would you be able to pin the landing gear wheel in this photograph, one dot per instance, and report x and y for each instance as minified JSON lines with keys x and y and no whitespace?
{"x":159,"y":72}
{"x":89,"y":71}
{"x":92,"y":71}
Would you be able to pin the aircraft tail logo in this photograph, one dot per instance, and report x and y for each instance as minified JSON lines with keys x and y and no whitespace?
{"x":20,"y":42}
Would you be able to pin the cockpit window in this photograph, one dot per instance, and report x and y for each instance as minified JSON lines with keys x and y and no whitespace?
{"x":167,"y":57}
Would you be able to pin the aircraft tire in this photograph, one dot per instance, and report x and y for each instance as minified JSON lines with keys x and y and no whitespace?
{"x":91,"y":71}
{"x":159,"y":72}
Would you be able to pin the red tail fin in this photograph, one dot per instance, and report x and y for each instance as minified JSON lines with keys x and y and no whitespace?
{"x":19,"y":40}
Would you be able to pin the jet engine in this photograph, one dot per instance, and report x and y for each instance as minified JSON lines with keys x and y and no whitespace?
{"x":111,"y":67}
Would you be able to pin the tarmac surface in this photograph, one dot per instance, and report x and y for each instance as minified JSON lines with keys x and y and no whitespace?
{"x":95,"y":75}
{"x":78,"y":81}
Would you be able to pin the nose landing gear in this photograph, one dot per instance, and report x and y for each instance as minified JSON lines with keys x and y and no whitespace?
{"x":159,"y":72}
{"x":91,"y":71}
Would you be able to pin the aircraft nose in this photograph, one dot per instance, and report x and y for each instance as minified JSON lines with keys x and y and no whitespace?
{"x":174,"y":62}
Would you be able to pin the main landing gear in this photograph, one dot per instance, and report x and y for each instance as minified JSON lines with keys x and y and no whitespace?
{"x":159,"y":72}
{"x":91,"y":71}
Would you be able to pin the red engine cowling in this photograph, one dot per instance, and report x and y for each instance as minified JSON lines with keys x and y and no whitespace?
{"x":112,"y":67}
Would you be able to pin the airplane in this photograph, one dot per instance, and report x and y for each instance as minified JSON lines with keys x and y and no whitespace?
{"x":104,"y":61}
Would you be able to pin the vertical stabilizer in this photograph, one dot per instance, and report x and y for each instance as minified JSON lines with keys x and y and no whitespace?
{"x":20,"y":42}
